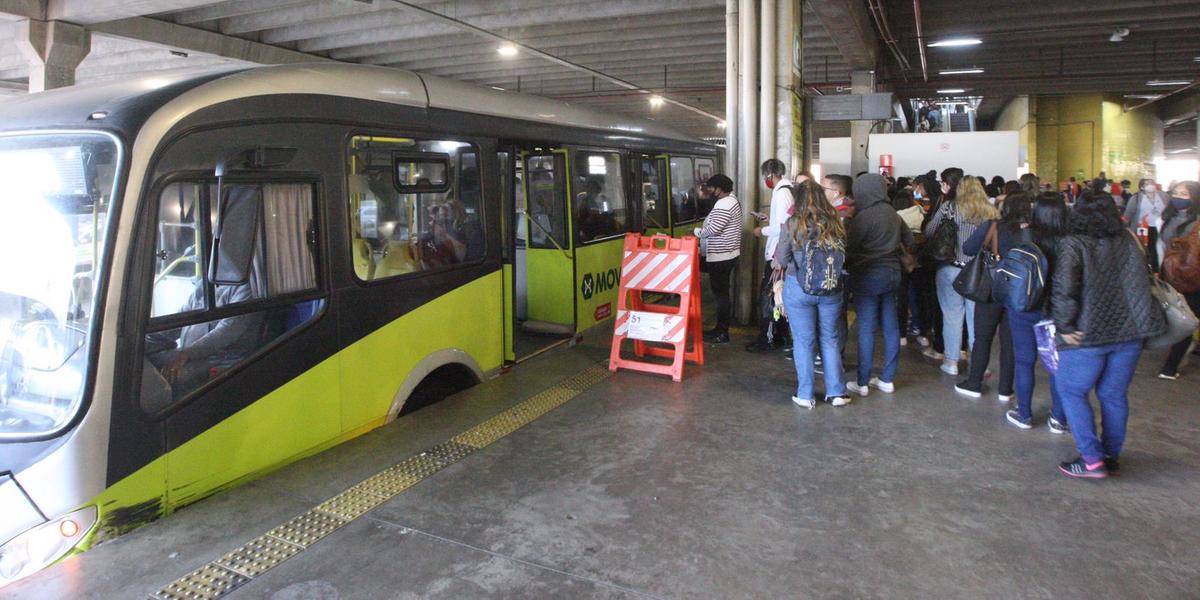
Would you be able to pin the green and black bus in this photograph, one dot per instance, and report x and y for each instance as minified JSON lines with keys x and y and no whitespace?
{"x":206,"y":276}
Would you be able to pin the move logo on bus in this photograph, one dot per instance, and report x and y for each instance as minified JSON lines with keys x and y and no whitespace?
{"x":599,"y":282}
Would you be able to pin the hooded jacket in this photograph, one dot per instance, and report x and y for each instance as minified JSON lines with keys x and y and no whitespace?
{"x":874,"y":234}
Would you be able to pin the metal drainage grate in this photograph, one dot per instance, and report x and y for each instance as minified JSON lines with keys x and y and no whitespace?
{"x":206,"y":583}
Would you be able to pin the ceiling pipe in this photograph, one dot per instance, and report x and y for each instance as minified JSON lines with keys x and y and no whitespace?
{"x":920,"y":40}
{"x":1162,"y":97}
{"x":885,"y":32}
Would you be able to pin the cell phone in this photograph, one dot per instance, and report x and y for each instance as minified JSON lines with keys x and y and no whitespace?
{"x":759,"y":216}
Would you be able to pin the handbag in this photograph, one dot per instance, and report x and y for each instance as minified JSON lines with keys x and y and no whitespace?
{"x":974,"y":282}
{"x":1047,"y":348}
{"x":942,"y":246}
{"x":1181,"y":321}
{"x":1181,"y":262}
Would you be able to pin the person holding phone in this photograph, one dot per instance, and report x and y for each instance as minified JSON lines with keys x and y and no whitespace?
{"x":774,"y":174}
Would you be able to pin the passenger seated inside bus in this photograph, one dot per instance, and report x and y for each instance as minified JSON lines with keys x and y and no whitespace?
{"x":594,"y":216}
{"x":188,"y":357}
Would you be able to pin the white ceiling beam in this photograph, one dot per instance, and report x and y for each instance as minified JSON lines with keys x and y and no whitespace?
{"x":191,"y":39}
{"x":87,"y":12}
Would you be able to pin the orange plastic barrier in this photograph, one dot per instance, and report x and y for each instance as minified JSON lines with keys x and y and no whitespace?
{"x":659,"y":264}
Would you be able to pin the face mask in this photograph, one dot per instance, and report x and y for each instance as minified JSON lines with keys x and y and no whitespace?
{"x":1149,"y":189}
{"x":1180,"y":203}
{"x":918,"y":195}
{"x":770,"y":183}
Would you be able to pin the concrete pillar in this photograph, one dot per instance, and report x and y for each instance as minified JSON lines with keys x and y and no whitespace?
{"x":766,"y":92}
{"x":861,"y":82}
{"x":53,"y":49}
{"x":789,"y":115}
{"x":747,"y":181}
{"x":731,"y":88}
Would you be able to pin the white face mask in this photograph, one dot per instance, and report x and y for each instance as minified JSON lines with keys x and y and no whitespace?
{"x":1149,"y":189}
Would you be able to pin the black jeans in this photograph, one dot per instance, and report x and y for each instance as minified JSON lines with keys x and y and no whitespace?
{"x":1178,"y":351}
{"x":990,"y":317}
{"x":719,"y":274}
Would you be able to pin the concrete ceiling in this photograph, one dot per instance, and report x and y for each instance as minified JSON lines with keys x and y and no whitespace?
{"x":673,"y":47}
{"x":1044,"y":47}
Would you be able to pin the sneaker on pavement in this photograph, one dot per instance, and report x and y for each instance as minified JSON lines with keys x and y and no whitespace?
{"x":802,"y":403}
{"x":965,"y":389}
{"x":1078,"y":468}
{"x":1168,"y":376}
{"x":1004,"y":397}
{"x":949,"y":367}
{"x":929,"y":352}
{"x":837,"y":400}
{"x":1057,"y":426}
{"x":861,"y":390}
{"x":886,"y":387}
{"x":1017,"y":421}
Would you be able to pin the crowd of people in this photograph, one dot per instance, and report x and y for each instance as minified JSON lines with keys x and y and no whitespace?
{"x":1067,"y":279}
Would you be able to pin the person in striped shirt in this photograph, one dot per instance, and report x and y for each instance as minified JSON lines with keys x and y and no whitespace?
{"x":722,"y":237}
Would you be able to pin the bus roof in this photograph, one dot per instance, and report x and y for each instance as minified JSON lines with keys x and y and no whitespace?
{"x":125,"y":105}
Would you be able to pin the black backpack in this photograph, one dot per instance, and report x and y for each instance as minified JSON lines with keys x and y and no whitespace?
{"x":942,"y":246}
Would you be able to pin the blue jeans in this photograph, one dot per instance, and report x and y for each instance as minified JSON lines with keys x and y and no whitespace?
{"x":874,"y":294}
{"x":814,"y":318}
{"x":1109,"y":370}
{"x":955,"y":309}
{"x":1025,"y":359}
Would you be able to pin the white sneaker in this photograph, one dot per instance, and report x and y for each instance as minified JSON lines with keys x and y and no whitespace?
{"x":929,"y":352}
{"x":883,"y":386}
{"x":809,"y":404}
{"x":950,"y":367}
{"x":1004,"y":397}
{"x":861,"y":390}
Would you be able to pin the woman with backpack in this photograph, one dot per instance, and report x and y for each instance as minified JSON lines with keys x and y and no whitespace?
{"x":1103,"y":311}
{"x":873,"y":240}
{"x":812,"y":248}
{"x":1181,"y":219}
{"x":965,"y":210}
{"x":997,"y":237}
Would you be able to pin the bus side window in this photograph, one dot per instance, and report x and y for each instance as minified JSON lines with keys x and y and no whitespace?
{"x":683,"y":190}
{"x":599,"y":209}
{"x":263,"y":254}
{"x":415,"y":206}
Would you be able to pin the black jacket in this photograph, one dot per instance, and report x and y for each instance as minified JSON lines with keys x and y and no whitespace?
{"x":874,"y":233}
{"x":1101,"y":288}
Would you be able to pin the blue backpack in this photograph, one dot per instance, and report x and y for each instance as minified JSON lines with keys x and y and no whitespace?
{"x":1020,"y":278}
{"x":820,"y":272}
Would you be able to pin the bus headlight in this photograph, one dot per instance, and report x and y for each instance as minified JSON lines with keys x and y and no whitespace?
{"x":38,"y":547}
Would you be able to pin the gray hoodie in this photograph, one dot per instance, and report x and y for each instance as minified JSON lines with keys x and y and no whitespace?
{"x":875,"y":232}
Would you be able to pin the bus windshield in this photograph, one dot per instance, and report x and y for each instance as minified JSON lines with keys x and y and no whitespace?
{"x":55,"y":194}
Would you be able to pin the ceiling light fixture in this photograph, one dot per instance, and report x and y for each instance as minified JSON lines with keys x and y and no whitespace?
{"x":507,"y":50}
{"x":970,"y":71}
{"x":656,"y":101}
{"x":956,"y":42}
{"x":952,"y":91}
{"x":1119,"y":34}
{"x":1162,"y":83}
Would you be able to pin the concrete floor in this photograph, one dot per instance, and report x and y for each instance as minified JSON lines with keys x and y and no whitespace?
{"x":718,"y":488}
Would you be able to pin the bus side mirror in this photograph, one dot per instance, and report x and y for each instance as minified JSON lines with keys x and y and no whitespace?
{"x":234,"y":234}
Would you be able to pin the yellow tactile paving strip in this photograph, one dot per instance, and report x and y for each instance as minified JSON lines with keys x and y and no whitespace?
{"x":261,"y":554}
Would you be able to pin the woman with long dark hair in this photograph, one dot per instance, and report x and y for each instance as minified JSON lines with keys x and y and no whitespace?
{"x":1048,"y":223}
{"x":813,"y":227}
{"x":1103,"y":311}
{"x":1181,"y":218}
